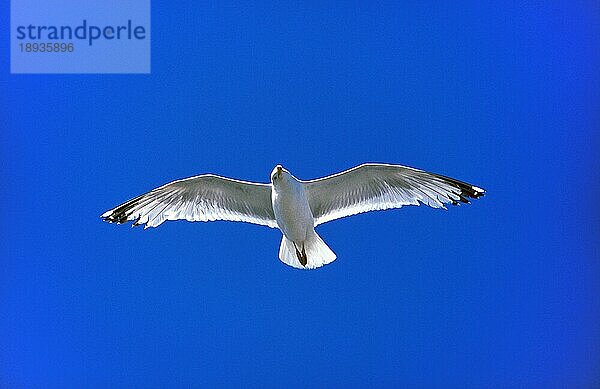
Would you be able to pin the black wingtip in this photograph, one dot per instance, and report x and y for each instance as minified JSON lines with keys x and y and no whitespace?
{"x":467,"y":191}
{"x":114,"y":217}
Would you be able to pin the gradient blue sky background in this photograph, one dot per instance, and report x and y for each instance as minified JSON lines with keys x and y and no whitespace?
{"x":501,"y":293}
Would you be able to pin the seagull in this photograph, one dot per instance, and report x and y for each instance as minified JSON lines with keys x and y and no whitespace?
{"x":294,"y":206}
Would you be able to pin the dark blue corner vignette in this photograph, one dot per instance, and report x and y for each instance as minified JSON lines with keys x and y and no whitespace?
{"x":500,"y":293}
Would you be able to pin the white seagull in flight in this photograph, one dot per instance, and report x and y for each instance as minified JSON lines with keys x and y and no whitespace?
{"x":294,"y":206}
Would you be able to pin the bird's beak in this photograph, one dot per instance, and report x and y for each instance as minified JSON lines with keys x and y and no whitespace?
{"x":279,"y":169}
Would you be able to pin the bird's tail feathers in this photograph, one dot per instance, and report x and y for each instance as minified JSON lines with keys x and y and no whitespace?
{"x":316,"y":251}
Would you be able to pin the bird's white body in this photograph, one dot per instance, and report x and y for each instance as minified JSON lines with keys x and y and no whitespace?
{"x":292,"y":205}
{"x":291,"y":208}
{"x":300,"y":244}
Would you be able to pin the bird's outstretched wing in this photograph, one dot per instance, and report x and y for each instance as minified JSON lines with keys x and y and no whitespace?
{"x":202,"y":198}
{"x":371,"y":187}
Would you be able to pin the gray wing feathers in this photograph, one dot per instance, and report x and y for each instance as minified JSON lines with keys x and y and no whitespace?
{"x":201,"y":198}
{"x":370,"y":187}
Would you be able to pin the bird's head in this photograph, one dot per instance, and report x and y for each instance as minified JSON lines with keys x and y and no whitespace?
{"x":277,"y":173}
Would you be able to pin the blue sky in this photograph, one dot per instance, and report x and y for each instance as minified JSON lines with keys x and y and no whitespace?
{"x":500,"y":293}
